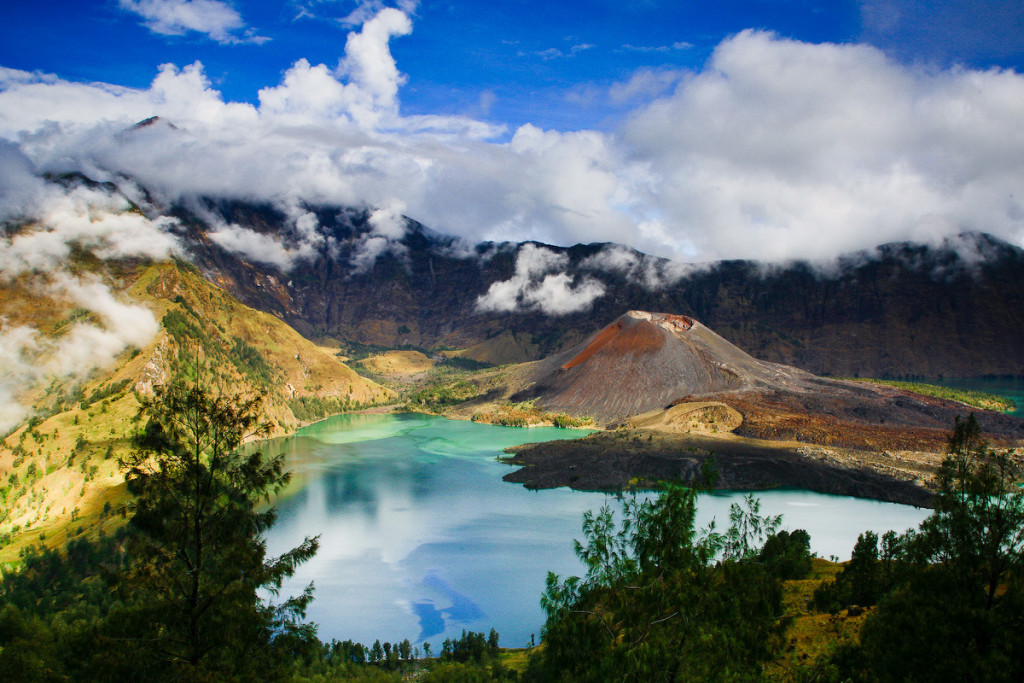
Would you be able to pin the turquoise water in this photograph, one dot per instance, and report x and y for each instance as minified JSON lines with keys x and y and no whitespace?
{"x":420,"y":538}
{"x":1012,"y":389}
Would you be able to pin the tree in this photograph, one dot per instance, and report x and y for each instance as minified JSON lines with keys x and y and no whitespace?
{"x":199,"y":563}
{"x":660,"y":600}
{"x":957,"y":613}
{"x":788,"y":555}
{"x":861,"y":582}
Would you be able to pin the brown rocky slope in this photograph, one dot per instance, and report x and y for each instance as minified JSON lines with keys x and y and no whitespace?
{"x":679,"y":394}
{"x":645,"y":361}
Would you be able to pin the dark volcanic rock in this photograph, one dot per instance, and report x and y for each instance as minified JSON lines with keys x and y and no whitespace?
{"x":607,"y":463}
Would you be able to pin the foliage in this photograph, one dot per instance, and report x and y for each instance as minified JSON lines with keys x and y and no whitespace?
{"x":526,"y":414}
{"x":198,"y":560}
{"x":104,"y":392}
{"x":312,"y":408}
{"x":470,"y":647}
{"x":456,"y":672}
{"x":787,"y":555}
{"x":870,"y":574}
{"x":950,"y":594}
{"x":468,"y":364}
{"x":437,"y":397}
{"x":250,"y":363}
{"x":49,"y":604}
{"x":563,"y":421}
{"x":245,"y":358}
{"x":470,"y":658}
{"x":959,"y":612}
{"x":345,"y":660}
{"x":184,"y":330}
{"x":661,"y":601}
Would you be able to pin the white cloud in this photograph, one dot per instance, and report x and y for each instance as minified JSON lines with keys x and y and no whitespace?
{"x":17,"y":346}
{"x":87,"y":346}
{"x":649,"y":271}
{"x":368,"y":63}
{"x":537,"y":286}
{"x":387,"y":228}
{"x":215,"y":18}
{"x":774,"y":149}
{"x":679,"y":45}
{"x":92,"y":220}
{"x":27,"y":358}
{"x":644,"y":83}
{"x":37,"y":255}
{"x":21,"y":188}
{"x":786,"y":149}
{"x":555,"y":53}
{"x":368,"y":9}
{"x":256,"y":246}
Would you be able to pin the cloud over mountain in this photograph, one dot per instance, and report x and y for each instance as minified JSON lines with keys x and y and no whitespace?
{"x":37,"y":257}
{"x":775,"y":149}
{"x":540,"y":283}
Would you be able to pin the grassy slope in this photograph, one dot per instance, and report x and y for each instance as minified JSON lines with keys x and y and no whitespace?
{"x":399,"y":363}
{"x":58,"y":474}
{"x":975,"y":399}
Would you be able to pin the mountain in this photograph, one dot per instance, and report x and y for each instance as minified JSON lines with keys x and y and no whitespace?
{"x":645,"y":361}
{"x":946,"y":309}
{"x":61,"y":464}
{"x":681,"y":397}
{"x":671,"y":373}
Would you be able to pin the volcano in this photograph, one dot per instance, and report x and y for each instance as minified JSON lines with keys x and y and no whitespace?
{"x":645,"y":361}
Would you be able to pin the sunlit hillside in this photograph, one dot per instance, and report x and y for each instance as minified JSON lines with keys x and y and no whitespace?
{"x":59,"y":467}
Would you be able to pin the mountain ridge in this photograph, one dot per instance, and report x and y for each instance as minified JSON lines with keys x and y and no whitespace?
{"x":903,"y":310}
{"x":355,"y":274}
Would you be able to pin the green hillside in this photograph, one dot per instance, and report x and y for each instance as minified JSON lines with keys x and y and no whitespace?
{"x":59,"y":476}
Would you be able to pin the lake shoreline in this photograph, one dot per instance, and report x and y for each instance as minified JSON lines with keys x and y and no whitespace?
{"x":619,"y":461}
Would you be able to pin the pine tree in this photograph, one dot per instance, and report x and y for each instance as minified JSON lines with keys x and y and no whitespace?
{"x":958,"y":613}
{"x":198,"y":561}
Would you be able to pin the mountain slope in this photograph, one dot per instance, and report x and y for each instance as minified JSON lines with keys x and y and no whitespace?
{"x":680,"y":397}
{"x":902,"y":309}
{"x":58,"y":471}
{"x":657,"y":364}
{"x":644,"y":361}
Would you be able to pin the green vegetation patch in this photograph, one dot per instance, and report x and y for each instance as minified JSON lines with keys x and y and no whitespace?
{"x":249,"y":362}
{"x":313,"y":408}
{"x":444,"y":396}
{"x":526,"y":414}
{"x":975,"y":399}
{"x":105,"y":392}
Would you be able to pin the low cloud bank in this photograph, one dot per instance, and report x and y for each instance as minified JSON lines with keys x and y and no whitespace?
{"x":540,"y":284}
{"x":37,"y":257}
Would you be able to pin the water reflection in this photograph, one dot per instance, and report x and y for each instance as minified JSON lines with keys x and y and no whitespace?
{"x":420,"y":538}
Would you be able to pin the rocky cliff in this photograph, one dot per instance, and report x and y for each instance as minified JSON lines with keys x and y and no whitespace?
{"x":899,"y":310}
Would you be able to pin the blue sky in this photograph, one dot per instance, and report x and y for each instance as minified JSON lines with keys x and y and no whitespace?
{"x":767,"y":129}
{"x":509,"y":62}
